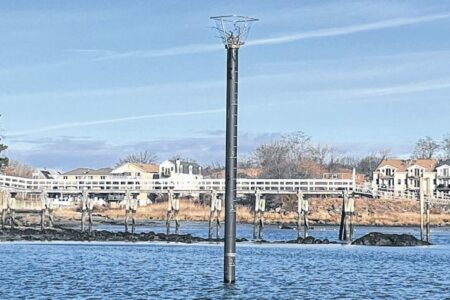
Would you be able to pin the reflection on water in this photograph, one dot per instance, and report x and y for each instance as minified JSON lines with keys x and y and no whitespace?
{"x":177,"y":271}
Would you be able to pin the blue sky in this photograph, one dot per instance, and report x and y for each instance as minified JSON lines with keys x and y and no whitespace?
{"x":83,"y":83}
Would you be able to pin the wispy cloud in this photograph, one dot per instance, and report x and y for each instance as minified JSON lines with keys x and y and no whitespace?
{"x":344,"y":94}
{"x":368,"y":94}
{"x":189,"y":49}
{"x":289,"y":38}
{"x":111,"y":121}
{"x":401,"y":89}
{"x":351,"y":29}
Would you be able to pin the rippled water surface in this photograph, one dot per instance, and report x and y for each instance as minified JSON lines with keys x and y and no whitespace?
{"x":177,"y":271}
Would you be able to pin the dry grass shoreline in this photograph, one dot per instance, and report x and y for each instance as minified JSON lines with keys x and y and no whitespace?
{"x":377,"y":212}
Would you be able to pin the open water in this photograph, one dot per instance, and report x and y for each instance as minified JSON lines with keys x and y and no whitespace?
{"x":179,"y":271}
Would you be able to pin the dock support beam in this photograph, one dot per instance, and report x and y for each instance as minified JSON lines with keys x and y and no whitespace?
{"x":173,"y":210}
{"x":348,"y":210}
{"x":302,"y":213}
{"x":12,"y":209}
{"x":428,"y":232}
{"x":130,"y":207}
{"x":90,"y":208}
{"x":214,"y":215}
{"x":83,"y":208}
{"x":258,"y":222}
{"x":4,"y":196}
{"x":425,"y":194}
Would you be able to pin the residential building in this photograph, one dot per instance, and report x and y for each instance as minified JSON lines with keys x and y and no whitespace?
{"x":137,"y":171}
{"x":178,"y":169}
{"x":421,"y":168}
{"x":403,"y":176}
{"x":443,"y":176}
{"x":87,"y":174}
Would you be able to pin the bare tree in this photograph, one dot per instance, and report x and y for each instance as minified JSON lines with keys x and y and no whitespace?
{"x":426,"y":148}
{"x":246,"y":162}
{"x":368,"y":164}
{"x":445,"y":146}
{"x":19,"y":169}
{"x":3,"y":159}
{"x":213,"y":170}
{"x":291,"y":156}
{"x":144,"y":157}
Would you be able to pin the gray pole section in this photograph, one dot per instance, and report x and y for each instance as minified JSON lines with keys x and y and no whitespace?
{"x":231,"y":165}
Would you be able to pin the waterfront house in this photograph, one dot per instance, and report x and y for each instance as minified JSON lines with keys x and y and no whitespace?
{"x":178,"y":169}
{"x":137,"y":171}
{"x":421,"y":168}
{"x":403,"y":176}
{"x":443,"y":176}
{"x":87,"y":174}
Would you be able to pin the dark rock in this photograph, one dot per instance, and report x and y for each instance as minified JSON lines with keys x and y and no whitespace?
{"x":309,"y":240}
{"x":285,"y":226}
{"x":382,"y":239}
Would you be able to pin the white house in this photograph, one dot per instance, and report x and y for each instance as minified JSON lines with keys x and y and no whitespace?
{"x":179,"y":170}
{"x":421,"y":168}
{"x":404,"y":175}
{"x":443,"y":176}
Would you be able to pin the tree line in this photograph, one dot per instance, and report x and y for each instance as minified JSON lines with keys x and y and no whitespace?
{"x":427,"y":147}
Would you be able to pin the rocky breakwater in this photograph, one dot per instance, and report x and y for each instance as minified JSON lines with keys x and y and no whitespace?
{"x":394,"y":240}
{"x":306,"y":241}
{"x":72,"y":235}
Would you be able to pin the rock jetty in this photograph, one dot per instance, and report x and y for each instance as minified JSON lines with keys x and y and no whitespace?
{"x":67,"y":234}
{"x":394,"y":240}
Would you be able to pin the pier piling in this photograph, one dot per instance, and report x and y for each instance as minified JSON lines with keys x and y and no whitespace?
{"x":258,"y":223}
{"x":90,"y":208}
{"x":302,"y":213}
{"x":214,"y":215}
{"x":12,"y":209}
{"x":173,"y":210}
{"x":4,"y":206}
{"x":83,"y":207}
{"x":348,"y":210}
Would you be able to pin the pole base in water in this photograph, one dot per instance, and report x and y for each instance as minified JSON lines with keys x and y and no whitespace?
{"x":230,"y":268}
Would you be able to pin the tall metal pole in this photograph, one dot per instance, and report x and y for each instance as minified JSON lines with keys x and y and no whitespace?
{"x":231,"y":165}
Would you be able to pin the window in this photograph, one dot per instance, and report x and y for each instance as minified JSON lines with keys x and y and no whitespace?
{"x":399,"y":181}
{"x":64,"y":177}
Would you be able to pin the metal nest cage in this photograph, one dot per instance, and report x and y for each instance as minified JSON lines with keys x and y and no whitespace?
{"x":233,"y":29}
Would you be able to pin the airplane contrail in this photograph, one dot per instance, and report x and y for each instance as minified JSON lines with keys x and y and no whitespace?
{"x":318,"y":33}
{"x":111,"y":121}
{"x":351,"y":29}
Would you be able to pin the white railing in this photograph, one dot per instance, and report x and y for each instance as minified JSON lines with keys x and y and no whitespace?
{"x":112,"y":185}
